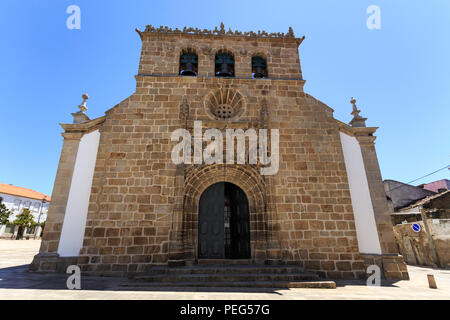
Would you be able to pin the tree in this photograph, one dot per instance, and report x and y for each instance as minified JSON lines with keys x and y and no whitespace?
{"x":5,"y":213}
{"x":23,"y":220}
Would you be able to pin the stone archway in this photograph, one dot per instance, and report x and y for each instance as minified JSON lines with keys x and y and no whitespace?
{"x":198,"y":179}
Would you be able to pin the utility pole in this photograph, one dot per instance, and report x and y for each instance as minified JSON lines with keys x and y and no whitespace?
{"x":430,"y":238}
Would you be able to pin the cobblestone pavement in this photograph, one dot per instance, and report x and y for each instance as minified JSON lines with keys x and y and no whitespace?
{"x":17,"y":283}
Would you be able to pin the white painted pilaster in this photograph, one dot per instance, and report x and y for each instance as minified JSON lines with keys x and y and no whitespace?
{"x":366,"y":228}
{"x":74,"y":224}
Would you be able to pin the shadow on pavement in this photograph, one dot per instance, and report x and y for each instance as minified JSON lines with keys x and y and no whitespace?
{"x":18,"y":277}
{"x":345,"y":283}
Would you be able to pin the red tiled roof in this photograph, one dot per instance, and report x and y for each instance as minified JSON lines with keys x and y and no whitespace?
{"x":436,"y":185}
{"x":23,"y":192}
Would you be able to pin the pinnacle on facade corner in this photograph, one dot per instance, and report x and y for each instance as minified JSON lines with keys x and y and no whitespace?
{"x":357,"y":121}
{"x":83,"y":107}
{"x":80,"y":116}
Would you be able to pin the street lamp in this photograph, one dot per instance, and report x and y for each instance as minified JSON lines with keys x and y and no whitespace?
{"x":39,"y":217}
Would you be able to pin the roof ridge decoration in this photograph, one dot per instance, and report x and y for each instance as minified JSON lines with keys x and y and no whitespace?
{"x":218,"y":32}
{"x":357,"y":120}
{"x":80,"y":116}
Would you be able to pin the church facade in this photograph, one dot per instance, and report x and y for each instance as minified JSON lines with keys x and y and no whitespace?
{"x":121,"y":204}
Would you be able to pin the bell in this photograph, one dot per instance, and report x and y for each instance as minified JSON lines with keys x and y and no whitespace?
{"x":189,"y":70}
{"x":188,"y":64}
{"x":224,"y":65}
{"x":259,"y":72}
{"x":259,"y":68}
{"x":224,"y":71}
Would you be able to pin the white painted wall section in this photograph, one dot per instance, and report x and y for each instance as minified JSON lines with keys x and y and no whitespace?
{"x":366,"y":228}
{"x":74,"y":224}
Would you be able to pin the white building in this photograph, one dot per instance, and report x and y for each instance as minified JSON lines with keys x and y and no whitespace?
{"x":16,"y":199}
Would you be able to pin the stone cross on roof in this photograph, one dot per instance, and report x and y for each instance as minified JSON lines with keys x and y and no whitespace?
{"x":357,"y":120}
{"x":80,"y":116}
{"x":83,"y":107}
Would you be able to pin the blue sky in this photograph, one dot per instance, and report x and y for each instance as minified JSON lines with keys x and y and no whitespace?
{"x":400,"y":74}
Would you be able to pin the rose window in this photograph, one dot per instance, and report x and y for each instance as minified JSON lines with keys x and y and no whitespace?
{"x":224,"y":104}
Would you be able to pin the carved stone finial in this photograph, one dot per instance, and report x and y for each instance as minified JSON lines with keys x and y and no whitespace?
{"x":291,"y":32}
{"x":222,"y":28}
{"x":357,"y":120}
{"x":140,"y":33}
{"x":80,"y":116}
{"x":83,"y":107}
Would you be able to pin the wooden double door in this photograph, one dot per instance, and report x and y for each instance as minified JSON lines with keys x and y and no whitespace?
{"x":223,"y":224}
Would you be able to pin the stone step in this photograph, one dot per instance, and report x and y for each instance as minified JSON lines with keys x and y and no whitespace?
{"x":226,"y":277}
{"x":236,"y":284}
{"x":211,"y":269}
{"x":229,"y":275}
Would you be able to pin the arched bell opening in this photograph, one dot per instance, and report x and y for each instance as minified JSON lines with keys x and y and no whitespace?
{"x":259,"y":67}
{"x":188,"y":64}
{"x":224,"y":223}
{"x":224,"y":64}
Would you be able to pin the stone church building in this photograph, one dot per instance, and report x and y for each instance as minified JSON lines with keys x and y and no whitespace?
{"x":120,"y":205}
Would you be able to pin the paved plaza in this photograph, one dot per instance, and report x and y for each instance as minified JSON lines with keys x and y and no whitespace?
{"x":17,"y":283}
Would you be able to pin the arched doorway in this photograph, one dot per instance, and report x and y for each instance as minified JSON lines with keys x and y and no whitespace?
{"x":223,"y":223}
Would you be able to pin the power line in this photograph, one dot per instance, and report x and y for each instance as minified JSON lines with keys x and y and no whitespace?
{"x":446,"y":167}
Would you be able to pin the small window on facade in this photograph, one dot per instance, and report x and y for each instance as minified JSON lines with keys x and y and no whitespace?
{"x":30,"y":230}
{"x":259,"y":67}
{"x":17,"y":204}
{"x":188,"y":64}
{"x":224,"y":65}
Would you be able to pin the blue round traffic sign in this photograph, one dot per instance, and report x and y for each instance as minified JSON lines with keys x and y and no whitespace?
{"x":416,"y":227}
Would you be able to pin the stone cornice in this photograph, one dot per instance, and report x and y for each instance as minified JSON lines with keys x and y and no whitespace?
{"x":72,"y":135}
{"x":358,"y":132}
{"x":164,"y":30}
{"x":164,"y":77}
{"x":365,"y":140}
{"x":77,"y":130}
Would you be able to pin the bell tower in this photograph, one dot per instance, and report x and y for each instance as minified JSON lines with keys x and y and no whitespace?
{"x":221,"y":53}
